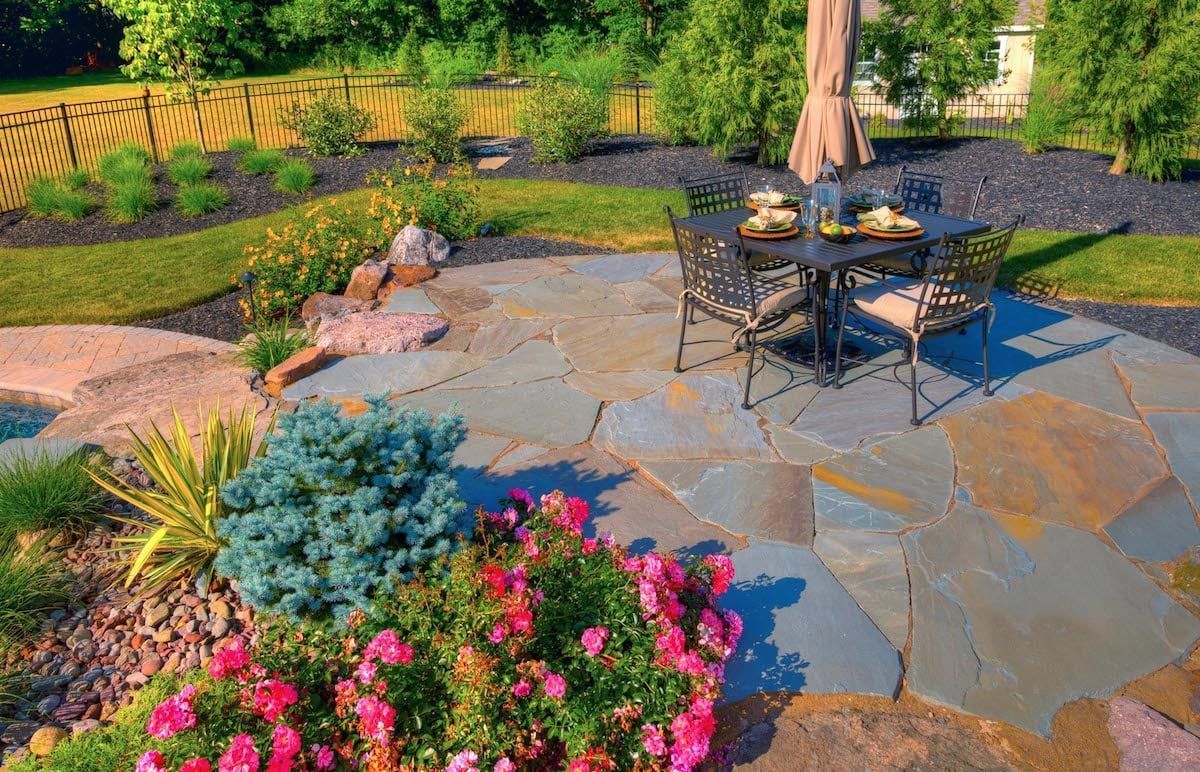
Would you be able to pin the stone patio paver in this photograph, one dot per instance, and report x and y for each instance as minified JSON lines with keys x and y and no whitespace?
{"x":1164,"y":386}
{"x":871,"y":567}
{"x":499,"y":338}
{"x":531,"y":361}
{"x":1089,"y":378}
{"x":644,"y":342}
{"x":1160,"y":526}
{"x":409,"y":301}
{"x":564,"y":297}
{"x":1179,"y":436}
{"x":616,"y":269}
{"x":796,"y":449}
{"x":619,"y":387}
{"x":391,"y":374}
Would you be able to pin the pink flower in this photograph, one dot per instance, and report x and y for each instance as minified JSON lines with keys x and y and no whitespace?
{"x":593,"y":640}
{"x":376,"y":718}
{"x":573,"y":515}
{"x":324,"y":757}
{"x":387,"y":648}
{"x":579,"y":765}
{"x":497,"y":634}
{"x":464,"y":762}
{"x":532,"y":550}
{"x":722,"y":572}
{"x":522,"y":688}
{"x":522,"y":496}
{"x":504,"y":765}
{"x":285,"y":742}
{"x":633,"y":565}
{"x":555,"y":685}
{"x":692,"y":730}
{"x":196,"y":765}
{"x":277,"y":764}
{"x":493,"y":576}
{"x":229,"y":660}
{"x":152,"y":761}
{"x":653,"y":740}
{"x":241,"y":756}
{"x":173,"y":715}
{"x":272,"y":698}
{"x":366,"y":671}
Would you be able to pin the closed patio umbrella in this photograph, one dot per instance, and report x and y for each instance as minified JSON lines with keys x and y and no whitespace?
{"x":830,"y":126}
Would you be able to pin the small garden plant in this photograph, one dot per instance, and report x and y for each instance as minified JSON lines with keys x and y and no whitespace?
{"x":329,"y":124}
{"x":185,"y":150}
{"x":341,"y":509}
{"x":200,"y":198}
{"x":32,"y":583}
{"x":418,"y":195}
{"x":62,"y":199}
{"x":47,"y":491}
{"x":562,"y":119}
{"x":188,"y":169}
{"x":271,"y":341}
{"x":435,"y":117}
{"x":240,"y":145}
{"x":129,"y":180}
{"x":294,"y":177}
{"x":260,"y":161}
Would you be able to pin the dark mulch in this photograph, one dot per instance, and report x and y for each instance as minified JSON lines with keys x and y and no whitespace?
{"x":222,"y":318}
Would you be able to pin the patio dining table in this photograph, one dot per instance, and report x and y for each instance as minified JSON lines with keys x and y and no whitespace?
{"x":828,"y":260}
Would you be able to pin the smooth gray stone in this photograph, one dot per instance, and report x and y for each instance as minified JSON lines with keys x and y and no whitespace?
{"x":871,"y":568}
{"x":476,"y":453}
{"x":759,"y":499}
{"x":622,"y":268}
{"x":647,"y":297}
{"x":897,"y":483}
{"x":531,"y":361}
{"x":619,"y":387}
{"x":780,"y":390}
{"x":495,"y":340}
{"x":1179,"y":436}
{"x":1166,"y":386}
{"x":544,"y":413}
{"x":520,"y":455}
{"x":502,"y":272}
{"x":644,"y":342}
{"x":409,"y":301}
{"x":564,"y":297}
{"x":1158,"y":527}
{"x":803,"y":631}
{"x":694,"y":416}
{"x":33,"y":448}
{"x":388,"y":373}
{"x":796,"y":449}
{"x":1013,"y":618}
{"x":1089,"y":378}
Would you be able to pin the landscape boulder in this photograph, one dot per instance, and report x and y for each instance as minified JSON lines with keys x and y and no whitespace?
{"x":44,"y":740}
{"x":299,"y":365}
{"x":377,"y":333}
{"x":402,"y":276}
{"x":366,"y":279}
{"x":322,"y":305}
{"x":417,"y":246}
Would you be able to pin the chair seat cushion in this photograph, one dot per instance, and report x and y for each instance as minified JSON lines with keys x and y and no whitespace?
{"x":894,"y":301}
{"x":782,"y":300}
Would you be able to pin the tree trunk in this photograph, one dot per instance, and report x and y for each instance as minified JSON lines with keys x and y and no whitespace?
{"x":1120,"y":164}
{"x":199,"y":125}
{"x":943,"y":122}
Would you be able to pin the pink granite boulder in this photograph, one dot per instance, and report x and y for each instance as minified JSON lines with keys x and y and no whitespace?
{"x":379,"y":333}
{"x":321,"y":306}
{"x":1148,"y":740}
{"x":366,"y":280}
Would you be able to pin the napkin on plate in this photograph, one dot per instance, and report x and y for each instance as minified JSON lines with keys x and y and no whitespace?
{"x":886,"y":218}
{"x":769,"y":218}
{"x":774,"y":198}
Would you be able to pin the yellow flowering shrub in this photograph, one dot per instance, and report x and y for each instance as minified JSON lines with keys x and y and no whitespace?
{"x":418,"y":195}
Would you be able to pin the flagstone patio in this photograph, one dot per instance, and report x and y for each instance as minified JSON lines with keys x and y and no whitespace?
{"x":1009,"y":556}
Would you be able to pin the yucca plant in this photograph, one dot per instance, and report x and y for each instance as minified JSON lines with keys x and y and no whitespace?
{"x":180,"y":539}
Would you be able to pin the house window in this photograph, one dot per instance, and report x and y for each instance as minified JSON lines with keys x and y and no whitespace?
{"x":995,"y":56}
{"x":865,"y":69}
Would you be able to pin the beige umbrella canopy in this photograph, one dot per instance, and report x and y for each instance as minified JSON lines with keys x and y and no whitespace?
{"x":830,"y":126}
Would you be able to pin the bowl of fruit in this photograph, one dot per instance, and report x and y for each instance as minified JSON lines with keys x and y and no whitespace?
{"x":836,"y":233}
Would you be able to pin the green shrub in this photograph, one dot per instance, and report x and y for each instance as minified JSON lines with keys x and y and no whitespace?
{"x":561,"y":120}
{"x":294,"y":176}
{"x":185,"y":150}
{"x":341,"y":508}
{"x":32,"y":582}
{"x":50,"y":198}
{"x":315,"y":251}
{"x":130,"y":201}
{"x":200,"y":199}
{"x":240,"y":144}
{"x":416,"y":195}
{"x":43,"y":490}
{"x":329,"y":125}
{"x":188,"y":169}
{"x":264,"y":161}
{"x":412,"y":59}
{"x":271,"y":341}
{"x":179,"y":536}
{"x":77,"y":178}
{"x":434,"y":118}
{"x":128,"y":162}
{"x":506,"y":65}
{"x":1046,"y":117}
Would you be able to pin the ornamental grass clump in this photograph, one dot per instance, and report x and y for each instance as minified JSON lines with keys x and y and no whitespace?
{"x":294,"y":176}
{"x":342,"y":508}
{"x":44,"y":490}
{"x":271,"y":341}
{"x":534,"y":647}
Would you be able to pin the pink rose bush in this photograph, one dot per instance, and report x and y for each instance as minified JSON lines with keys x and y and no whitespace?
{"x":532,"y":647}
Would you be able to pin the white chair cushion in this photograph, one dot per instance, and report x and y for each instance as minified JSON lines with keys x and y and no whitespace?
{"x":895,"y":301}
{"x":782,"y":300}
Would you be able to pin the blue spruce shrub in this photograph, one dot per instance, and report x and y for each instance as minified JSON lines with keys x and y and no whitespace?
{"x":340,"y":508}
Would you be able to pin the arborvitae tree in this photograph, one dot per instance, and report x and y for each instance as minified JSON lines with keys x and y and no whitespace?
{"x":505,"y":64}
{"x":412,"y":59}
{"x":1130,"y":70}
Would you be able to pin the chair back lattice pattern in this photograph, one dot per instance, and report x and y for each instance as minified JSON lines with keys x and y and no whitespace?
{"x":937,"y":193}
{"x":960,"y":277}
{"x":716,"y":273}
{"x":719,"y":193}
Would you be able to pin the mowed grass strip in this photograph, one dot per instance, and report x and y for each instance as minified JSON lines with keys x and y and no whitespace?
{"x":128,"y":281}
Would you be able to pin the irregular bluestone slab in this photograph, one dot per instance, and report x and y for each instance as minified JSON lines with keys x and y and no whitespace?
{"x":1148,"y":741}
{"x":495,"y":340}
{"x":1179,"y":435}
{"x":409,"y":301}
{"x":477,"y":452}
{"x":456,"y":302}
{"x":532,"y":361}
{"x":1164,"y":386}
{"x":1053,"y":459}
{"x":1013,"y":618}
{"x":564,"y":297}
{"x":871,"y":568}
{"x":643,"y":342}
{"x":367,"y":332}
{"x":383,"y":373}
{"x":503,"y":272}
{"x":803,"y":631}
{"x":796,"y":449}
{"x":622,"y":268}
{"x":781,"y":390}
{"x":647,"y":297}
{"x":759,"y":499}
{"x":619,"y":387}
{"x":1157,"y":527}
{"x":695,"y":416}
{"x":1089,"y":378}
{"x":544,"y":413}
{"x":622,"y":503}
{"x":894,"y":484}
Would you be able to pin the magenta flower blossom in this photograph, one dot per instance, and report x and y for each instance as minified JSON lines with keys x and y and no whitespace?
{"x":152,"y":761}
{"x":285,"y":742}
{"x":522,"y":496}
{"x":653,"y":740}
{"x":366,"y":671}
{"x":555,"y":685}
{"x":377,"y":718}
{"x":173,"y":715}
{"x":196,"y":765}
{"x":324,"y":757}
{"x":497,"y":634}
{"x":504,"y":765}
{"x":241,"y":756}
{"x":387,"y":648}
{"x":463,"y":762}
{"x":229,"y":661}
{"x":593,"y":640}
{"x":272,"y":698}
{"x":522,"y":688}
{"x":692,"y":730}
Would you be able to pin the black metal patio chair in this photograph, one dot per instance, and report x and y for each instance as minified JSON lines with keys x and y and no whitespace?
{"x":954,"y":294}
{"x":719,"y":282}
{"x":720,"y":193}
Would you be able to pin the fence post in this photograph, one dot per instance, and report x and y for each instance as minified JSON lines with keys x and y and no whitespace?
{"x":637,"y":97}
{"x":249,"y":111}
{"x":346,"y":86}
{"x":149,"y":123}
{"x":62,"y":110}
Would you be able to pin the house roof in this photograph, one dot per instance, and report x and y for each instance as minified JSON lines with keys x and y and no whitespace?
{"x":1024,"y":15}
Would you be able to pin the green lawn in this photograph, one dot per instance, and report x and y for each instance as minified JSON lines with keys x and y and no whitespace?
{"x":128,"y":281}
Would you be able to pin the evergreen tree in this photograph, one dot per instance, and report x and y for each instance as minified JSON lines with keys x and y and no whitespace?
{"x":505,"y":65}
{"x":412,"y":58}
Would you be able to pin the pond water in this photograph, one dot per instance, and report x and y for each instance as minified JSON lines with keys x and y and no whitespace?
{"x":20,"y":420}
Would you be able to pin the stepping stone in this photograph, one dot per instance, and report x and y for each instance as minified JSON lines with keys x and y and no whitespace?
{"x":502,"y":272}
{"x":1158,"y":527}
{"x":492,"y":163}
{"x":457,"y":302}
{"x":803,"y":631}
{"x":36,"y":447}
{"x":1089,"y":378}
{"x":643,"y":342}
{"x":1013,"y":618}
{"x":871,"y":568}
{"x":619,"y":387}
{"x":1179,"y":436}
{"x":758,"y":499}
{"x":532,"y":361}
{"x":1053,"y":459}
{"x":409,"y":301}
{"x":796,"y":449}
{"x":370,"y":332}
{"x":647,"y":297}
{"x":694,"y":416}
{"x":564,"y":297}
{"x":901,"y":482}
{"x":623,"y":268}
{"x":383,"y":373}
{"x":544,"y":413}
{"x":459,"y":338}
{"x":639,"y":515}
{"x":1163,"y":386}
{"x":495,"y":340}
{"x":477,"y":452}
